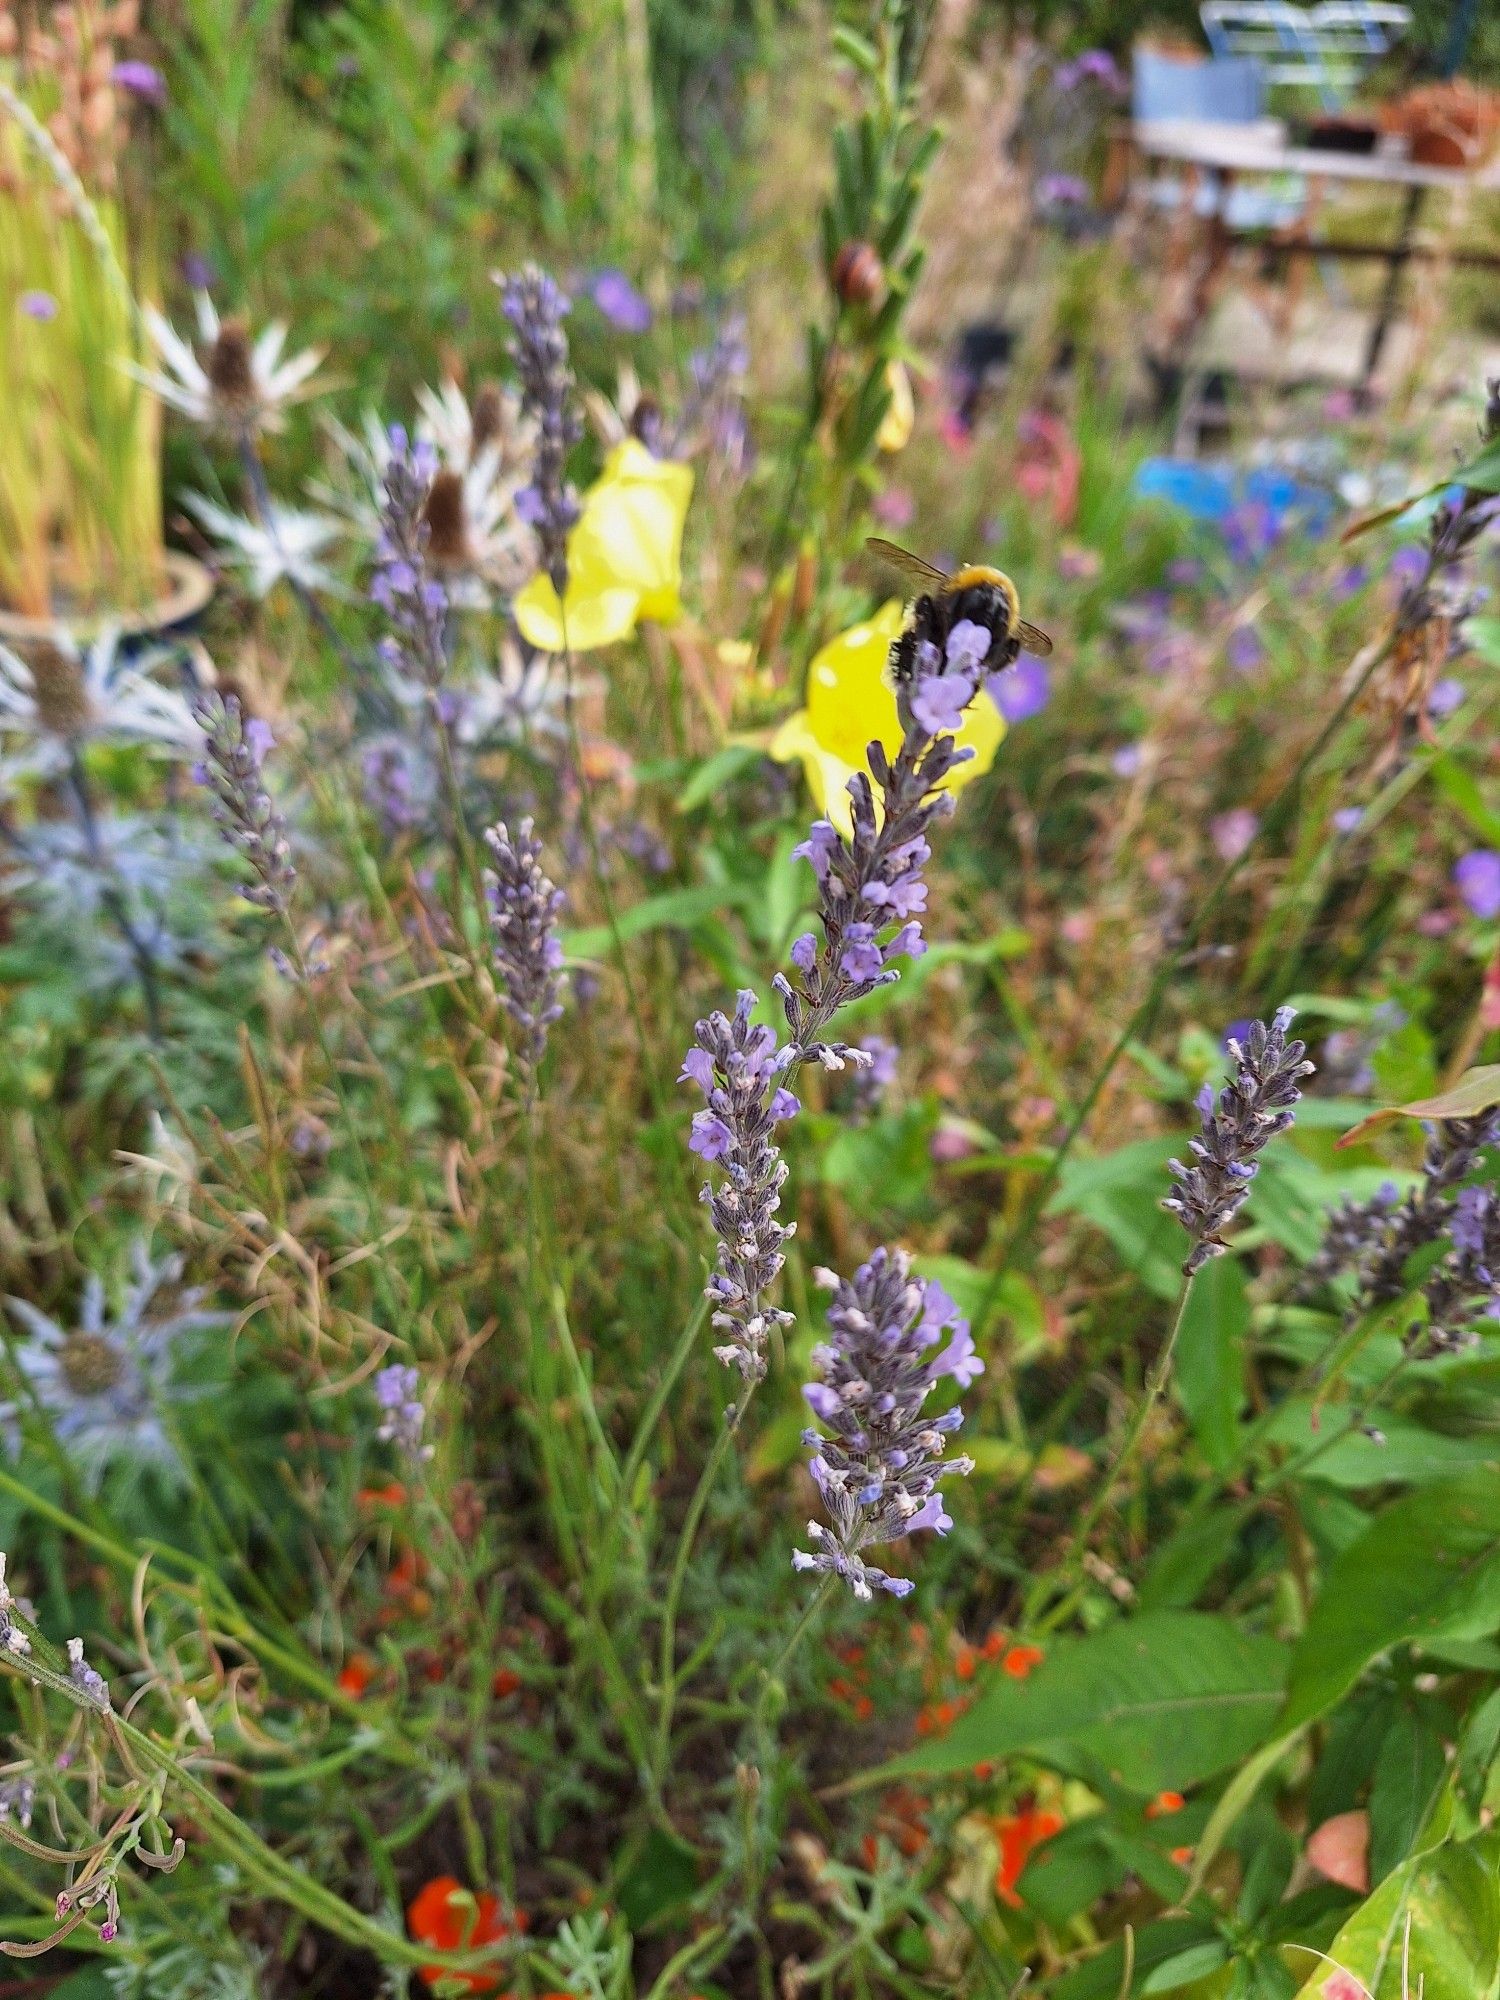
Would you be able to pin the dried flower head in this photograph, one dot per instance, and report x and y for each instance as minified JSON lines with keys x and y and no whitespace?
{"x":536,"y":309}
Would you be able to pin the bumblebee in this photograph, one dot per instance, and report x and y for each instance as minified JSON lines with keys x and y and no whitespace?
{"x":985,"y":596}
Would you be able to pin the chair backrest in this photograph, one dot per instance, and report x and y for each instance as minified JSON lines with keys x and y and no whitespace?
{"x":1326,"y":48}
{"x":1229,"y":90}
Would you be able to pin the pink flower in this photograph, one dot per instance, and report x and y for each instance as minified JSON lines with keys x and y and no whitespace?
{"x":1232,"y":832}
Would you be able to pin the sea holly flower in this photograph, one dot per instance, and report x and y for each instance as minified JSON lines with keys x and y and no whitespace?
{"x":103,"y":1383}
{"x":624,"y":557}
{"x":850,"y":704}
{"x":57,"y":699}
{"x":286,"y":542}
{"x":228,"y":381}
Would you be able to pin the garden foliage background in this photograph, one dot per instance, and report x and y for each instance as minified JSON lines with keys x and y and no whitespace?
{"x":448,"y":1613}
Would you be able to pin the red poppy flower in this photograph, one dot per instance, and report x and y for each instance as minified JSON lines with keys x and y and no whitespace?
{"x":357,"y":1675}
{"x":1020,"y":1835}
{"x":444,"y":1914}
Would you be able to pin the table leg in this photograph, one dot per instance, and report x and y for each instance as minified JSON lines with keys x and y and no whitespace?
{"x":1399,"y":257}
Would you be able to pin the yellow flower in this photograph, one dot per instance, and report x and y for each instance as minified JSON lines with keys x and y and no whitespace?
{"x":849,"y":705}
{"x":624,"y":557}
{"x":899,"y":421}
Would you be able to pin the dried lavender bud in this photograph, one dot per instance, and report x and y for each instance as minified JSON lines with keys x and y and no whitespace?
{"x":736,"y":1066}
{"x":236,"y":750}
{"x":1253,"y":1107}
{"x":524,"y":908}
{"x":403,"y":584}
{"x":536,"y":308}
{"x":878,"y":1463}
{"x":398,"y":1392}
{"x":84,"y":1677}
{"x":1350,"y":1233}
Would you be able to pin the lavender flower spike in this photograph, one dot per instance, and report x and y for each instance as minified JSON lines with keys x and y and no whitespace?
{"x":398,"y":1392}
{"x":878,"y":1462}
{"x":524,"y":908}
{"x":403,"y":584}
{"x":1253,"y":1107}
{"x":536,"y":308}
{"x":234,"y":753}
{"x":736,"y":1066}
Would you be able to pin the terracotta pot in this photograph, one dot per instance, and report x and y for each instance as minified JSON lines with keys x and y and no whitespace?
{"x":189,"y":588}
{"x":1453,"y":125}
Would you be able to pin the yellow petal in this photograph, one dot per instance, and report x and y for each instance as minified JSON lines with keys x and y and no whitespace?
{"x":594,"y":617}
{"x":900,"y":419}
{"x":849,"y":706}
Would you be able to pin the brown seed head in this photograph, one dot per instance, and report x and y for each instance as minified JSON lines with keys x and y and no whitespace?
{"x":62,"y":703}
{"x":90,"y":1363}
{"x":487,"y":419}
{"x":443,"y":513}
{"x":229,"y":368}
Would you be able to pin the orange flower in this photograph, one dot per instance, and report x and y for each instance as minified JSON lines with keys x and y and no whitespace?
{"x":1020,"y":1835}
{"x":938,"y":1717}
{"x":994,"y":1646}
{"x":393,"y":1495}
{"x":965,"y":1662}
{"x":504,"y":1683}
{"x":1165,"y":1802}
{"x":1020,"y":1660}
{"x":1183,"y":1856}
{"x":445,"y":1915}
{"x":357,"y":1675}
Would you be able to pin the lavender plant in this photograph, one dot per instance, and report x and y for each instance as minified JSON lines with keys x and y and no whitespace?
{"x":235,"y":752}
{"x":1256,"y":1104}
{"x":893,"y":1337}
{"x":536,"y":309}
{"x":524,"y":908}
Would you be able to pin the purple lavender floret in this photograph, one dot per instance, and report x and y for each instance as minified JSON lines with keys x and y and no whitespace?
{"x":86,"y":1678}
{"x":1256,"y":1104}
{"x":878,"y":1460}
{"x":738,"y":1067}
{"x":1374,"y":1240}
{"x":1466,"y":1285}
{"x":536,"y":309}
{"x":234,"y":752}
{"x":524,"y":908}
{"x":398,"y":1392}
{"x":403,"y":584}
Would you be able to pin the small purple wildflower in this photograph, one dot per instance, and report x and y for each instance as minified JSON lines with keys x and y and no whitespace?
{"x":1407,"y":566}
{"x":1476,"y":877}
{"x":140,"y":79}
{"x":1349,"y":582}
{"x":872,"y":1079}
{"x":1127,"y":760}
{"x":198,"y":274}
{"x":1184,"y":571}
{"x":1348,"y":819}
{"x":1256,"y":1104}
{"x":1022,"y":692}
{"x":403,"y":585}
{"x":878,"y":1461}
{"x":1447,"y":696}
{"x":398,"y":1392}
{"x":536,"y":309}
{"x":619,"y":301}
{"x":38,"y":305}
{"x":1061,"y":191}
{"x":1233,"y":831}
{"x":524,"y":908}
{"x":1244,"y":649}
{"x":234,"y":752}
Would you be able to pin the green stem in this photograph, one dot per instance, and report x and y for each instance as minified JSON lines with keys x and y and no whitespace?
{"x":1047,"y":1586}
{"x":667,"y":1653}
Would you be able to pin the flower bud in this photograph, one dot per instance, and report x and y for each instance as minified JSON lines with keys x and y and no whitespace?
{"x":858,"y":276}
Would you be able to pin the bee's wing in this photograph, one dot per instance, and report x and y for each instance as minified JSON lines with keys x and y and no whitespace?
{"x":913,"y":568}
{"x":1033,"y":638}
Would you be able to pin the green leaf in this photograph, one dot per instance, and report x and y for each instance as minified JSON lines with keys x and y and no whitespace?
{"x":1347,"y":1457}
{"x":1452,"y":1899}
{"x":1185,"y":1966}
{"x":714,"y":773}
{"x":1427,"y":1567}
{"x":1408,"y":1772}
{"x":1210,"y":1371}
{"x":1184,"y":1562}
{"x":1099,"y":1978}
{"x":1160,"y":1701}
{"x":1121,"y":1194}
{"x":1482,"y":636}
{"x":1458,"y":783}
{"x":1476,"y":1090}
{"x":674,"y":909}
{"x":663,"y":1876}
